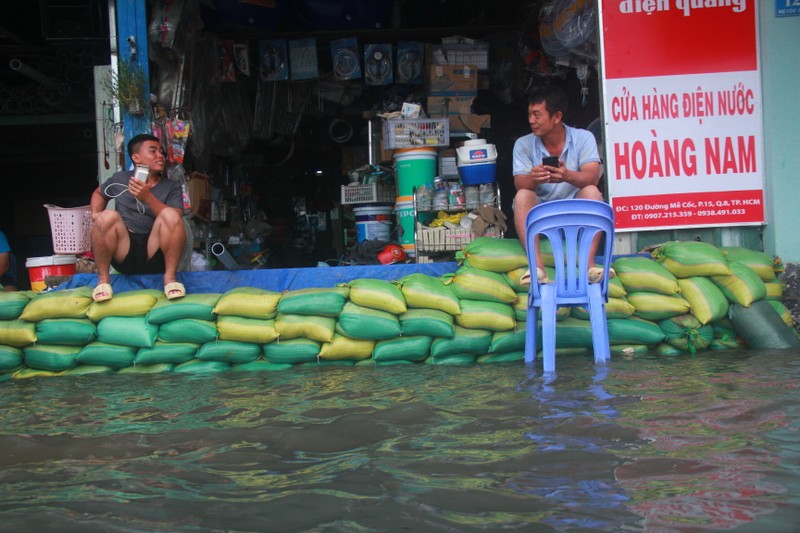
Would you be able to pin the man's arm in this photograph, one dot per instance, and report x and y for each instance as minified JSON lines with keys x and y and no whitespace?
{"x":145,"y":195}
{"x":4,"y":262}
{"x":589,"y":174}
{"x":98,"y":203}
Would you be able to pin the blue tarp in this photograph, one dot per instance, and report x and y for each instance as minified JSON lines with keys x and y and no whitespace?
{"x":278,"y":279}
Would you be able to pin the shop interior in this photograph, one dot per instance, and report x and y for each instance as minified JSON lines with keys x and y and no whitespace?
{"x":271,"y":148}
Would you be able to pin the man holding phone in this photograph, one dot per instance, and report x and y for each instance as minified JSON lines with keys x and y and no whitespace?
{"x":553,"y":162}
{"x":144,"y":233}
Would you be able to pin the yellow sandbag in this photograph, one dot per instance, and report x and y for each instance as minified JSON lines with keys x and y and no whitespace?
{"x":471,"y":283}
{"x":492,"y":316}
{"x":250,"y":302}
{"x":762,"y":263}
{"x":243,"y":329}
{"x":317,"y":328}
{"x":68,"y":303}
{"x":493,"y":255}
{"x":685,"y":259}
{"x":521,"y":309}
{"x":615,"y":288}
{"x":775,"y":289}
{"x":615,"y":308}
{"x":377,"y":294}
{"x":17,"y":333}
{"x":654,"y":306}
{"x":343,"y":347}
{"x":26,"y":373}
{"x":707,"y":302}
{"x":513,"y":278}
{"x":130,"y":303}
{"x":783,"y":311}
{"x":742,"y":285}
{"x":637,"y":273}
{"x":428,"y":292}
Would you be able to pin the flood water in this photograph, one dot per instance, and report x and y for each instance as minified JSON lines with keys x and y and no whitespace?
{"x":644,"y":444}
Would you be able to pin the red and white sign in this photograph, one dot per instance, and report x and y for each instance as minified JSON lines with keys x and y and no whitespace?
{"x":683,"y":113}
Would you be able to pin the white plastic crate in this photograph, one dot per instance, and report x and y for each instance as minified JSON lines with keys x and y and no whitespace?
{"x":447,"y":240}
{"x":410,"y":133}
{"x":467,"y":54}
{"x":71,"y":228}
{"x":367,"y":194}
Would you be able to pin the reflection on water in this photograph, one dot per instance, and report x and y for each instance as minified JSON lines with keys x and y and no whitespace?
{"x":679,"y":444}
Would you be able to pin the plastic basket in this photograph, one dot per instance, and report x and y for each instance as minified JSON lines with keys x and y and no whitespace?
{"x":467,"y":54}
{"x":448,"y":240}
{"x":71,"y":228}
{"x":367,"y":194}
{"x":411,"y":133}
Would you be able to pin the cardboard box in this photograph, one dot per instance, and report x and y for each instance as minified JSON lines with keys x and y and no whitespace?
{"x":458,"y":109}
{"x":199,"y":188}
{"x":451,"y":80}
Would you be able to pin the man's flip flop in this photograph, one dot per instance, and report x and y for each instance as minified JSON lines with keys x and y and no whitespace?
{"x":541,"y":275}
{"x":102,"y":292}
{"x":174,"y":290}
{"x":596,"y":274}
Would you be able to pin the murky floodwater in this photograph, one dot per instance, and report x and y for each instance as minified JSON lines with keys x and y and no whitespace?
{"x":649,"y":444}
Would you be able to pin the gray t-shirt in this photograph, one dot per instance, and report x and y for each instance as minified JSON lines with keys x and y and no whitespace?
{"x":137,"y":216}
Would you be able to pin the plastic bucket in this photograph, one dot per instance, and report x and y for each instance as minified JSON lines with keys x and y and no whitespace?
{"x":373,"y":223}
{"x":405,"y":223}
{"x":40,"y":268}
{"x":414,"y":167}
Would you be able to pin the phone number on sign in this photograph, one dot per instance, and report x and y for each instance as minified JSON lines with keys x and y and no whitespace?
{"x":661,"y":216}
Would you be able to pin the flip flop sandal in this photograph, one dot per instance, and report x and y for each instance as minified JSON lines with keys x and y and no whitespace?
{"x":102,"y":292}
{"x":541,"y":275}
{"x":596,"y":274}
{"x":174,"y":290}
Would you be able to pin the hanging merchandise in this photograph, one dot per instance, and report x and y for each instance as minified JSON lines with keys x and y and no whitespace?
{"x":272,"y":60}
{"x":303,"y":59}
{"x":345,"y":58}
{"x":550,"y":43}
{"x":409,"y":62}
{"x":177,"y":137}
{"x":227,"y":62}
{"x":378,"y":64}
{"x":241,"y":55}
{"x":574,"y":26}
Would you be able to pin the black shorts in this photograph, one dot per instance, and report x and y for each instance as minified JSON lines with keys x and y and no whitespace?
{"x":136,"y":261}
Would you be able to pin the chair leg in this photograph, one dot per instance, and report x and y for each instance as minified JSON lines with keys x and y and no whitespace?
{"x":597,"y":316}
{"x":530,"y":334}
{"x":549,"y":308}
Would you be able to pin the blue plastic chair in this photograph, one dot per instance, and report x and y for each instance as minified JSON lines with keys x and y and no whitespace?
{"x":570,"y":226}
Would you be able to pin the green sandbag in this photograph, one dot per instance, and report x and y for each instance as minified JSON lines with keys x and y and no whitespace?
{"x":359,"y":322}
{"x":508,"y":341}
{"x":68,"y":303}
{"x":470,"y":283}
{"x":231,"y":352}
{"x":685,"y":259}
{"x":10,"y":358}
{"x":324,"y":302}
{"x":332,"y":362}
{"x":27,"y":373}
{"x":129,"y":303}
{"x":761,"y":327}
{"x":191,"y":330}
{"x":196,"y":366}
{"x":634,"y":330}
{"x":316,"y":328}
{"x":504,"y":357}
{"x":774,"y":289}
{"x":127,"y":331}
{"x":17,"y":333}
{"x":493,"y":255}
{"x":12,"y":303}
{"x":570,"y":333}
{"x":250,"y":302}
{"x":459,"y":359}
{"x":725,"y":335}
{"x":667,"y":350}
{"x":513,"y":278}
{"x":492,"y":316}
{"x":783,"y":311}
{"x":708,"y":303}
{"x":654,"y":306}
{"x":426,"y":322}
{"x":292,"y":351}
{"x":377,"y":294}
{"x":615,"y":288}
{"x":761,"y":263}
{"x":260,"y":366}
{"x":742,"y":286}
{"x":246,"y":329}
{"x":82,"y":370}
{"x":637,"y":273}
{"x":408,"y":348}
{"x":105,"y":354}
{"x":465,"y":341}
{"x":199,"y":306}
{"x":51,"y":357}
{"x":166,"y":353}
{"x":686,"y":333}
{"x":75,"y":331}
{"x":344,"y":347}
{"x":158,"y":368}
{"x":427,"y":292}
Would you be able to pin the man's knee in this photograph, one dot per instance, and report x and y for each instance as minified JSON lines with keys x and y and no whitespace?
{"x":590,"y":192}
{"x":171,"y":218}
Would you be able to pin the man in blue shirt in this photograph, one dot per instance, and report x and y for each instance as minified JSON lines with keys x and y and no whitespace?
{"x":576,"y":175}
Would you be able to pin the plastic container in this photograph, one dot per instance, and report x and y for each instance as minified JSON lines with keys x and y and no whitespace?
{"x":40,"y":268}
{"x":373,"y":223}
{"x":414,"y":167}
{"x":405,"y":223}
{"x":477,"y":162}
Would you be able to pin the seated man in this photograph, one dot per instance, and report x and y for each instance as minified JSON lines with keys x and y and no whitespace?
{"x":573,"y":173}
{"x":8,"y":265}
{"x":145,"y":233}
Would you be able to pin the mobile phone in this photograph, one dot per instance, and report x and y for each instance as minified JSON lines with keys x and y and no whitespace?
{"x":550,"y":161}
{"x":141,"y":173}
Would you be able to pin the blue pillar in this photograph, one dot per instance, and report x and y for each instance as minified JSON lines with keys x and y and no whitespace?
{"x":132,"y":47}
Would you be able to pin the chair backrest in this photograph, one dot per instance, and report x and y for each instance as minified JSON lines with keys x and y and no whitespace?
{"x":570,"y":225}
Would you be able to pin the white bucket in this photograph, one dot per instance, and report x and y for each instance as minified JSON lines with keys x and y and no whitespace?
{"x":373,"y":223}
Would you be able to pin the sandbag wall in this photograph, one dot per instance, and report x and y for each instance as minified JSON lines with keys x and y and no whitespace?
{"x":678,"y":301}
